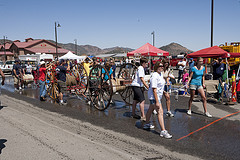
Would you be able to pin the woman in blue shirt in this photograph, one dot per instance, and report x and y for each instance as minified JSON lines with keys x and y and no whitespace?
{"x":197,"y":82}
{"x":109,"y":70}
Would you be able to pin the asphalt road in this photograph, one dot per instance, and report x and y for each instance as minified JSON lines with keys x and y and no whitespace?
{"x":194,"y":136}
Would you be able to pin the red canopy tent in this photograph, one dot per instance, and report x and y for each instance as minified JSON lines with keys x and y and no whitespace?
{"x":148,"y":50}
{"x":211,"y":52}
{"x":234,"y":55}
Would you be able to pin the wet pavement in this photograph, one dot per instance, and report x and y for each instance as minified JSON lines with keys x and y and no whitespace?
{"x":220,"y":140}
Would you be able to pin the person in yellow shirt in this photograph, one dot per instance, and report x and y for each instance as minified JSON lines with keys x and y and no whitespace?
{"x":86,"y":65}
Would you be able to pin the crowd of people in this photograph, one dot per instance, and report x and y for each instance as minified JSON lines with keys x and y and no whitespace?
{"x":158,"y":86}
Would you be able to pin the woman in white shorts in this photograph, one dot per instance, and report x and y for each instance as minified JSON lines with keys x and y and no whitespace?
{"x":155,"y":93}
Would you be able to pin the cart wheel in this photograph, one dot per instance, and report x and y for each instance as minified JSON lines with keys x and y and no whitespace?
{"x":82,"y":80}
{"x":53,"y":91}
{"x":100,"y":87}
{"x":127,"y":72}
{"x":52,"y":88}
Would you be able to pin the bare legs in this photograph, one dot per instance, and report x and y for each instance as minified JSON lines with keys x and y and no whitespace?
{"x":167,"y":97}
{"x":141,"y":107}
{"x":60,"y":96}
{"x":201,"y":92}
{"x":160,"y":115}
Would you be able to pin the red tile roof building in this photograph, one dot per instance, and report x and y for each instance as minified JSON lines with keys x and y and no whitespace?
{"x":30,"y":46}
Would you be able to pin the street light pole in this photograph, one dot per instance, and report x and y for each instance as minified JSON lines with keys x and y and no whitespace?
{"x":211,"y":68}
{"x":4,"y":43}
{"x":212,"y":24}
{"x":56,"y":25}
{"x":153,"y":33}
{"x":75,"y":40}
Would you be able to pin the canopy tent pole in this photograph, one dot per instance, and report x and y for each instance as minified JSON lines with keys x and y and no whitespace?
{"x":227,"y":69}
{"x":237,"y":78}
{"x":150,"y":65}
{"x":169,"y":61}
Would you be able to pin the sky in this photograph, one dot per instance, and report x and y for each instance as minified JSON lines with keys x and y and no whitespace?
{"x":124,"y":23}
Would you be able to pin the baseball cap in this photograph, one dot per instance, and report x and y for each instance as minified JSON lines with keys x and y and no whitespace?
{"x":42,"y":62}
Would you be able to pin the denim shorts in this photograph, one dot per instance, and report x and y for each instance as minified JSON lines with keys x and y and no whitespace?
{"x":153,"y":101}
{"x":195,"y":87}
{"x":167,"y":88}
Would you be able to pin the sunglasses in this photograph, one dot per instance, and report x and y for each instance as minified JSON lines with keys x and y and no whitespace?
{"x":161,"y":66}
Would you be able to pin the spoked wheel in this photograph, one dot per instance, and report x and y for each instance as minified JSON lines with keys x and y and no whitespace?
{"x":51,"y":84}
{"x":53,"y":91}
{"x":100,"y":87}
{"x":127,"y":72}
{"x":82,"y":80}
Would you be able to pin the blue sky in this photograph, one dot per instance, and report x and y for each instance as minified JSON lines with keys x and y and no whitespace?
{"x":124,"y":23}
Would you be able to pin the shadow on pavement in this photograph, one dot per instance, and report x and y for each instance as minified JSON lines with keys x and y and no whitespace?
{"x":139,"y":124}
{"x":2,"y":145}
{"x":1,"y":107}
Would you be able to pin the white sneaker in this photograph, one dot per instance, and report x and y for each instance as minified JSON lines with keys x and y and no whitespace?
{"x":189,"y":112}
{"x":169,"y":113}
{"x":62,"y":103}
{"x":154,"y":112}
{"x":20,"y":88}
{"x":143,"y":119}
{"x":208,"y":114}
{"x":148,"y":126}
{"x":165,"y":134}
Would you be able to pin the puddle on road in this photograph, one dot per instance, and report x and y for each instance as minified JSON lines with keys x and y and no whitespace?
{"x":217,"y":135}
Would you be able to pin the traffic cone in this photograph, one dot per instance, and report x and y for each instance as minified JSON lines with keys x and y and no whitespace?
{"x":234,"y":93}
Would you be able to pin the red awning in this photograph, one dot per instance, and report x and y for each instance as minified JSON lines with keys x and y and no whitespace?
{"x":148,"y":50}
{"x":211,"y":52}
{"x":234,"y":55}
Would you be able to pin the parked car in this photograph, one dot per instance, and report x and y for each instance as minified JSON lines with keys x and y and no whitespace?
{"x":7,"y":67}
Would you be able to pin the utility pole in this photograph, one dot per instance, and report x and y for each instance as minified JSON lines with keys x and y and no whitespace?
{"x":75,"y":40}
{"x":153,"y":33}
{"x":4,"y":43}
{"x":212,"y":23}
{"x":56,"y":25}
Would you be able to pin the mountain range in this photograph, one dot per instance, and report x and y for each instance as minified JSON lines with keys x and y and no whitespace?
{"x":173,"y":48}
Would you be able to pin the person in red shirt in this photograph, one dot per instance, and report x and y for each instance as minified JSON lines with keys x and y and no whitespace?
{"x":42,"y":76}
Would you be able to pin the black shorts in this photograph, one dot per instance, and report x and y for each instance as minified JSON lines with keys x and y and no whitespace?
{"x":138,"y":93}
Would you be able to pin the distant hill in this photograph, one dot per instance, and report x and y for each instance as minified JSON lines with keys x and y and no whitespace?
{"x":92,"y":50}
{"x":175,"y":49}
{"x":117,"y":50}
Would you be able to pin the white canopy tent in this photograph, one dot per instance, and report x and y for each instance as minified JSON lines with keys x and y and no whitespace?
{"x":70,"y":55}
{"x":46,"y":56}
{"x":120,"y":55}
{"x":105,"y":55}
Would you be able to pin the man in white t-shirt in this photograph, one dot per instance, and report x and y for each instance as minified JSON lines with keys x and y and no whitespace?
{"x":138,"y":89}
{"x":181,"y":65}
{"x":28,"y":68}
